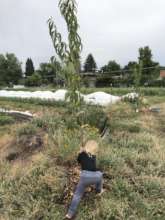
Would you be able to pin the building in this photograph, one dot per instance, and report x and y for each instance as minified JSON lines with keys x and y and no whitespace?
{"x":98,"y":79}
{"x":162,"y":72}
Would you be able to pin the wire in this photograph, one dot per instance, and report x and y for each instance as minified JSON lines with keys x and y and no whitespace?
{"x":130,"y":70}
{"x":99,"y":74}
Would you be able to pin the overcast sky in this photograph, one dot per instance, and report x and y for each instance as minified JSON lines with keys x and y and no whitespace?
{"x":110,"y":29}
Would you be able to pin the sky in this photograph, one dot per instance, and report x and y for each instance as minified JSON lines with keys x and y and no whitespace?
{"x":110,"y":29}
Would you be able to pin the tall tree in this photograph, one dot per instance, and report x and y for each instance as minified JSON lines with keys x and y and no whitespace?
{"x":29,"y":69}
{"x":10,"y":69}
{"x":150,"y":70}
{"x":112,"y":67}
{"x":90,"y":64}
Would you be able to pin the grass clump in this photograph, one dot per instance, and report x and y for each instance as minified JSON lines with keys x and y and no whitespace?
{"x":94,"y":116}
{"x":6,"y":119}
{"x":140,"y":142}
{"x":65,"y":143}
{"x":28,"y":129}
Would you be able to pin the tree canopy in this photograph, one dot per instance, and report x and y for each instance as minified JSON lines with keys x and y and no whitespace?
{"x":90,"y":64}
{"x":149,"y":72}
{"x":49,"y":71}
{"x":29,"y":69}
{"x":10,"y":69}
{"x":112,"y":66}
{"x":128,"y":72}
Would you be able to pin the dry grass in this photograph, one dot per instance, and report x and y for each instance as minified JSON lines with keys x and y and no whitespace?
{"x":132,"y":157}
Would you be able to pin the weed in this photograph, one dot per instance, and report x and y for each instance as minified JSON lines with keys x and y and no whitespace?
{"x":28,"y":129}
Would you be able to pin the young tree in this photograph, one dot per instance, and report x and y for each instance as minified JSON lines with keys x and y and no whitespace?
{"x":69,"y":54}
{"x":90,"y":64}
{"x":29,"y":69}
{"x":10,"y":69}
{"x":150,"y":67}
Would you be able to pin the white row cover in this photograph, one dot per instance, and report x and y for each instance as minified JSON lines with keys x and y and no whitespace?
{"x":97,"y":98}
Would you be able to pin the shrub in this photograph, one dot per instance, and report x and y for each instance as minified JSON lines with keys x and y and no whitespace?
{"x":65,"y":143}
{"x":28,"y":129}
{"x":34,"y":80}
{"x":48,"y":122}
{"x":91,"y":116}
{"x":94,"y":116}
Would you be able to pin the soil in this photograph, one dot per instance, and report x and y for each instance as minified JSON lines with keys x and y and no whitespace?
{"x":25,"y":146}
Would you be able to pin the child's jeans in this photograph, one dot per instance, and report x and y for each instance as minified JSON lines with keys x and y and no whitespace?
{"x":86,"y":178}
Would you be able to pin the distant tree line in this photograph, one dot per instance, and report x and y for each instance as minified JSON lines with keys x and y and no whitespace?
{"x":48,"y":73}
{"x":11,"y":72}
{"x":111,"y":74}
{"x":119,"y":76}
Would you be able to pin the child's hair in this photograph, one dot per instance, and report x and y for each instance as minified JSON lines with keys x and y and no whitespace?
{"x":91,"y":147}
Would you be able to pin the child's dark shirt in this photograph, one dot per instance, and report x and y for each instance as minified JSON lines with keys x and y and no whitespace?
{"x":87,"y":161}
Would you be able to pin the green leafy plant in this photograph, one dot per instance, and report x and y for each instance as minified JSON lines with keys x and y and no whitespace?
{"x":69,"y":54}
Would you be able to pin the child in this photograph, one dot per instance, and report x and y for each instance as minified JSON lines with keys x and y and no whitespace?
{"x":89,"y":175}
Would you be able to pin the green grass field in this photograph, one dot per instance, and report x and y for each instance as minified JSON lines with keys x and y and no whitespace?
{"x":38,"y":169}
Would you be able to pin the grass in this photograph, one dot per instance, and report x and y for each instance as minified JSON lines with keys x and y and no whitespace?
{"x":122,"y":91}
{"x":5,"y":119}
{"x":132,"y":157}
{"x":150,"y":91}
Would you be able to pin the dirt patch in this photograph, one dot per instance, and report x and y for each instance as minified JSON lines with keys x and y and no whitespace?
{"x":5,"y":142}
{"x":25,"y":146}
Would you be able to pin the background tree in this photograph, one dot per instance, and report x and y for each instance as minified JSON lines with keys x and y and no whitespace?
{"x":33,"y":80}
{"x":10,"y":69}
{"x":137,"y":73}
{"x":29,"y":69}
{"x":46,"y":72}
{"x":148,"y":74}
{"x":112,"y":66}
{"x":69,"y":54}
{"x":90,"y":64}
{"x":3,"y":68}
{"x":50,"y":71}
{"x":128,"y":73}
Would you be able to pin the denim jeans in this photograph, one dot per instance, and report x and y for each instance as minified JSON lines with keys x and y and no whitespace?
{"x":87,"y":178}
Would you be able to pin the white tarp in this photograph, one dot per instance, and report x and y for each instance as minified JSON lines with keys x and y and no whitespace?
{"x":27,"y":113}
{"x":97,"y":98}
